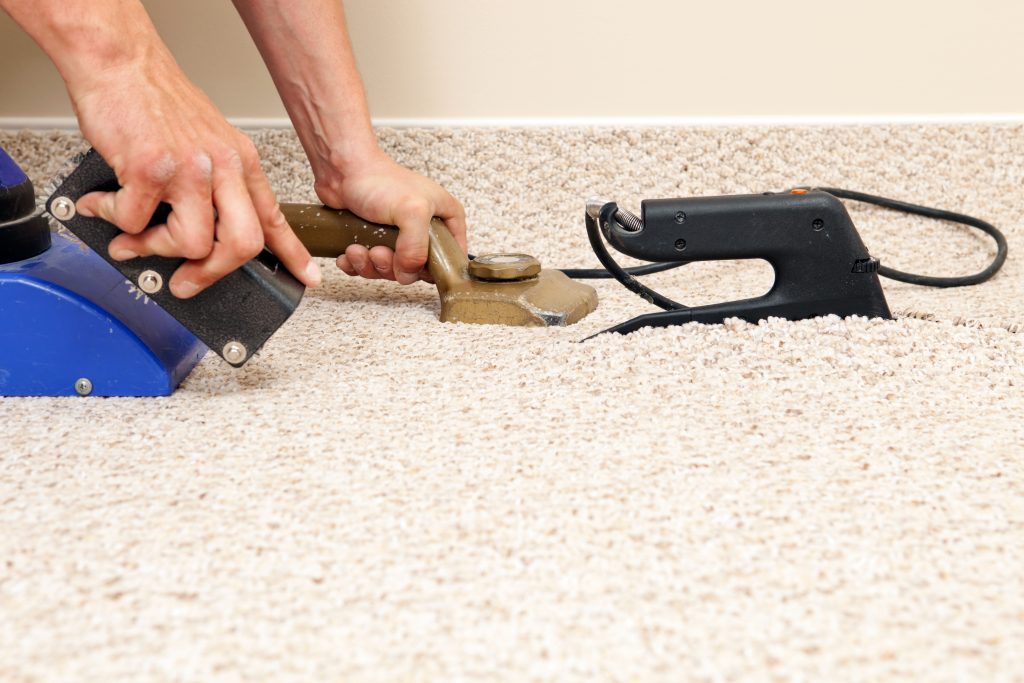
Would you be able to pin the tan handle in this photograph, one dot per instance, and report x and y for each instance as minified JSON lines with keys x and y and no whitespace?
{"x":328,"y":232}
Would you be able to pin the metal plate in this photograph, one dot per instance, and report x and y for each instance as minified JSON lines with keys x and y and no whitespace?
{"x":246,"y":307}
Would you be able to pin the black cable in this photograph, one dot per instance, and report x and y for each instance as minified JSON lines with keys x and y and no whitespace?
{"x":624,"y":278}
{"x":602,"y":274}
{"x":939,"y":214}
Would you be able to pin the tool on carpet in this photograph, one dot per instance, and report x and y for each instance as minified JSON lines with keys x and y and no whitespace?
{"x":83,"y":323}
{"x":821,"y":265}
{"x":78,"y":322}
{"x":498,"y":289}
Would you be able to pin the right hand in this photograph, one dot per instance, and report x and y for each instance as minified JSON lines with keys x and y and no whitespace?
{"x":168,"y":143}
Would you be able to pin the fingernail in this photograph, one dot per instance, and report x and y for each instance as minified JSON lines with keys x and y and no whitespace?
{"x":406,"y":278}
{"x":185,"y":289}
{"x":313,"y":274}
{"x":123,"y":254}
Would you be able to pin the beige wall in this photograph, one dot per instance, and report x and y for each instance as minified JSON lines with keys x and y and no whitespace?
{"x":598,"y":58}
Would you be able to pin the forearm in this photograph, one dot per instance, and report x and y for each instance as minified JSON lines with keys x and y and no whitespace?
{"x":306,"y":47}
{"x":89,"y":39}
{"x":307,"y":50}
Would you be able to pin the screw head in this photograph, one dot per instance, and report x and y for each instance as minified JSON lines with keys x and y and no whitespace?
{"x":150,"y":281}
{"x":680,"y":217}
{"x":235,"y":352}
{"x":62,"y":208}
{"x":817,"y":224}
{"x":680,"y":244}
{"x":83,"y":387}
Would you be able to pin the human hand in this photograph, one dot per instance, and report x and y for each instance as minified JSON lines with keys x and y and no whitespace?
{"x":168,"y":143}
{"x":379,"y":190}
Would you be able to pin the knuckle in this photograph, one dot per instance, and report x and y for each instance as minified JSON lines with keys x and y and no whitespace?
{"x":194,"y":247}
{"x":137,"y":162}
{"x":247,"y":246}
{"x":133,"y":223}
{"x":276,"y":222}
{"x":133,"y":228}
{"x":415,"y":207}
{"x":155,"y":167}
{"x":246,"y":145}
{"x":248,"y":155}
{"x":229,"y":158}
{"x":201,"y":167}
{"x":410,"y":260}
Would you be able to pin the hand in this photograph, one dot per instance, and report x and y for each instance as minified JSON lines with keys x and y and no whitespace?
{"x":168,"y":143}
{"x":379,"y":190}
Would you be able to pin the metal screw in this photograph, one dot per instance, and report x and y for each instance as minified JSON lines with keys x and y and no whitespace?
{"x":83,"y":387}
{"x":818,"y":224}
{"x":680,"y":217}
{"x":234,"y":352}
{"x":151,"y":281}
{"x":62,"y":208}
{"x":680,"y":245}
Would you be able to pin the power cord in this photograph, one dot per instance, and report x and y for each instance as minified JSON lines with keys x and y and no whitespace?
{"x":938,"y":214}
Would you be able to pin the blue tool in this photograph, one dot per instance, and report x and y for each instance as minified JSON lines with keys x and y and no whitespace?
{"x":70,"y":324}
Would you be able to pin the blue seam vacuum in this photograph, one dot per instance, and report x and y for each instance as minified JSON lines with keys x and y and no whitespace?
{"x":71,"y":324}
{"x":75,"y":322}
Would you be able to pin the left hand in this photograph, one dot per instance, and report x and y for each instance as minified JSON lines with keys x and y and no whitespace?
{"x":380,"y":190}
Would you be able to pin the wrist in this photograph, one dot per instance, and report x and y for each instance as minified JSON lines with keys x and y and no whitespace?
{"x":354,"y":154}
{"x":335,"y":155}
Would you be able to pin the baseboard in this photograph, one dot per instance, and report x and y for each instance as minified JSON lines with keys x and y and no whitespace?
{"x":698,"y":121}
{"x":69,"y":123}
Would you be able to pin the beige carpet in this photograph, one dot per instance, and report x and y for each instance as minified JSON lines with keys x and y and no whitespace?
{"x":382,"y":497}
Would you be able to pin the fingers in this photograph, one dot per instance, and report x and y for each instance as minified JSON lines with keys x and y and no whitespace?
{"x":191,"y":223}
{"x":374,"y":264}
{"x":379,"y":261}
{"x":408,"y":262}
{"x":356,"y":261}
{"x":155,"y":241}
{"x":411,"y":247}
{"x":239,"y":237}
{"x":249,"y":217}
{"x":345,"y":266}
{"x":413,"y":218}
{"x":189,"y":230}
{"x":130,"y":208}
{"x":277,"y":234}
{"x":450,"y":210}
